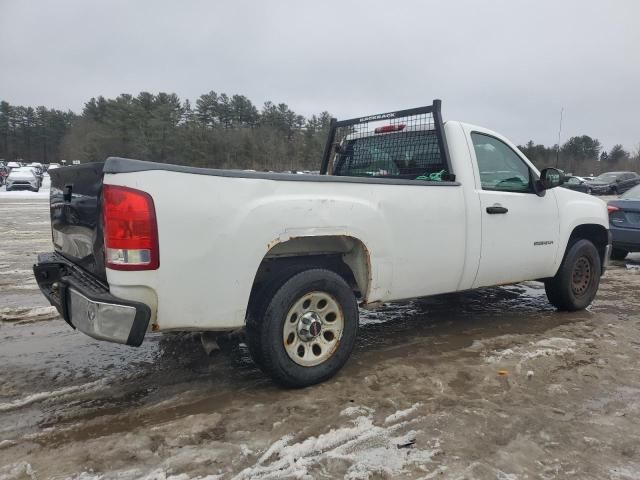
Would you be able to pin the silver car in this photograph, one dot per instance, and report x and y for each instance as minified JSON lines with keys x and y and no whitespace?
{"x":23,"y":178}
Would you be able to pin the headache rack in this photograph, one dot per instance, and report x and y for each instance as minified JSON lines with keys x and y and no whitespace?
{"x":405,"y":144}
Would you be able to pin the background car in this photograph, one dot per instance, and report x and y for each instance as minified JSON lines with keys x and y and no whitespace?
{"x":4,"y":172}
{"x":23,"y":178}
{"x":614,"y":183}
{"x":576,"y":183}
{"x":624,"y":223}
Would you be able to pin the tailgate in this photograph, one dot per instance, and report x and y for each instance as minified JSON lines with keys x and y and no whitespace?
{"x":76,"y":215}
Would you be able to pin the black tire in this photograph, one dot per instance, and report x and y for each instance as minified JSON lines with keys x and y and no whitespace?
{"x":614,"y":191}
{"x":576,"y":283}
{"x":258,"y":305}
{"x":619,"y":254}
{"x":266,"y":324}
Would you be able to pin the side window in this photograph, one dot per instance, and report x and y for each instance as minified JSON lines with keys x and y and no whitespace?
{"x":500,"y":167}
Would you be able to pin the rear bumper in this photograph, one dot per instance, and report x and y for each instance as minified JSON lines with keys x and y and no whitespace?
{"x":626,"y":238}
{"x":86,"y":304}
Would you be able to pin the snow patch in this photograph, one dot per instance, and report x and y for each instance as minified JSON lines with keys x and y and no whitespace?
{"x":19,"y":470}
{"x":394,"y":417}
{"x":27,"y":314}
{"x":24,"y":194}
{"x":159,"y":474}
{"x":372,"y":450}
{"x":7,"y":443}
{"x":554,"y":346}
{"x":628,"y":472}
{"x":41,"y":396}
{"x":356,"y":410}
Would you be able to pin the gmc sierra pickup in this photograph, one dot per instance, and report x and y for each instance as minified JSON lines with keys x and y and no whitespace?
{"x":404,"y":206}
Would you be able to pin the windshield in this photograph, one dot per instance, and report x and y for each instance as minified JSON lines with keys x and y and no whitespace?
{"x":606,"y":177}
{"x":632,"y":194}
{"x":21,"y":172}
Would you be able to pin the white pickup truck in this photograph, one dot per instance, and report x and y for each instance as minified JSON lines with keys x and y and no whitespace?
{"x":405,"y":206}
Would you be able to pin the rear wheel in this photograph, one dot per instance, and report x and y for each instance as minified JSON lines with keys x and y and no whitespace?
{"x":619,"y":254}
{"x":305,"y":332}
{"x":576,"y":283}
{"x":614,"y":190}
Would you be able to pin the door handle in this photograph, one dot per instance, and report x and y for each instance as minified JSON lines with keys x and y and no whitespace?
{"x":496,"y":209}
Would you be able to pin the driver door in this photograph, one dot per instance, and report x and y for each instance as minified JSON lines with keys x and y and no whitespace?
{"x":520,"y":230}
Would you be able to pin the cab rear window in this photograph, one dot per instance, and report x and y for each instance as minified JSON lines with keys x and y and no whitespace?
{"x":413,"y":155}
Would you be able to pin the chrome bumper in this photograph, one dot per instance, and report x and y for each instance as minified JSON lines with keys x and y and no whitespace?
{"x":86,"y":303}
{"x":100,"y":320}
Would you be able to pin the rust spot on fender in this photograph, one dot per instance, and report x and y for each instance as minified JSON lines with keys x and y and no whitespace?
{"x":272,"y":243}
{"x":155,"y":327}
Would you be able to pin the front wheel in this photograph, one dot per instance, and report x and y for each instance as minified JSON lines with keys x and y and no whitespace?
{"x":305,"y":332}
{"x":576,"y":283}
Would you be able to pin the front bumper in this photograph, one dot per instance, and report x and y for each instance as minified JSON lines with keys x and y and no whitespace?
{"x":22,"y":186}
{"x":86,"y":304}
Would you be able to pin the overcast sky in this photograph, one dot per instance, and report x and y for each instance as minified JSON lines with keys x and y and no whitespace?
{"x":509,"y":65}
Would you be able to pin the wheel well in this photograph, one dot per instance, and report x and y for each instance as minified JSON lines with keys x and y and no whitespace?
{"x":596,"y":234}
{"x":347,"y":256}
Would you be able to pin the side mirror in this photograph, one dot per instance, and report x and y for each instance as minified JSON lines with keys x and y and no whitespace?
{"x":550,"y":178}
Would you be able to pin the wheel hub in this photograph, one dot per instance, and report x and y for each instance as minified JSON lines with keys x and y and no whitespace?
{"x":309,"y":326}
{"x":581,"y":276}
{"x":313,"y":328}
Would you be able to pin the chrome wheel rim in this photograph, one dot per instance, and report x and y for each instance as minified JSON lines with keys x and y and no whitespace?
{"x":581,"y":276}
{"x":313,"y":329}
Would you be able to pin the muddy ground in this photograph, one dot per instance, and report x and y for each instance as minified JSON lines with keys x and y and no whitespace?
{"x":492,"y":384}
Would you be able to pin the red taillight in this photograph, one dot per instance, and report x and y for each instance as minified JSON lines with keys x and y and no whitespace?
{"x":612,"y":208}
{"x":390,"y":128}
{"x":130,"y":229}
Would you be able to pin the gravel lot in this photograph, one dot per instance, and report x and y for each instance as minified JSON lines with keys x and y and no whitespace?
{"x":492,"y":384}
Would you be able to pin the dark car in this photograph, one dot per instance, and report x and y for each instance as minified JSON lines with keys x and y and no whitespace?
{"x":4,"y":173}
{"x":624,"y":223}
{"x":614,"y":183}
{"x":578,"y":184}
